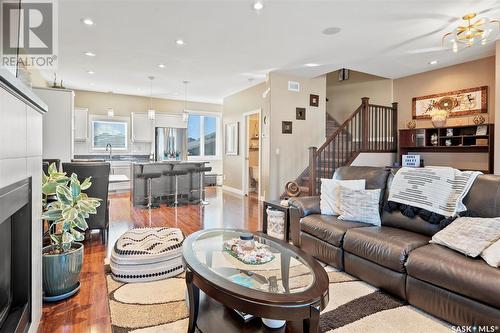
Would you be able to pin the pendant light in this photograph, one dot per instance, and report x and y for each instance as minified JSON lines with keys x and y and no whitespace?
{"x":185,"y":114}
{"x":151,"y":111}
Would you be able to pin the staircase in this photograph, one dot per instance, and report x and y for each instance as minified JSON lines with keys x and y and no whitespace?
{"x":370,"y":128}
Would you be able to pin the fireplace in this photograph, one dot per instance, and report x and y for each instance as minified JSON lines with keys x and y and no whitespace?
{"x":15,"y":257}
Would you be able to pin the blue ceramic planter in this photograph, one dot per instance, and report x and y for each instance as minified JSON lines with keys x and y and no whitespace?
{"x":61,"y":272}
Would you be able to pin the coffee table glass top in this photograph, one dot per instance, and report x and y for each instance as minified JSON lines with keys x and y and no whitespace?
{"x":287,"y":273}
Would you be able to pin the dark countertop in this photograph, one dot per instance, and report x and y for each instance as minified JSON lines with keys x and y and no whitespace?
{"x":169,"y":162}
{"x":114,"y":158}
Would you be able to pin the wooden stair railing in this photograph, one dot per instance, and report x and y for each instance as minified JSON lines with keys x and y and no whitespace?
{"x":371,"y":128}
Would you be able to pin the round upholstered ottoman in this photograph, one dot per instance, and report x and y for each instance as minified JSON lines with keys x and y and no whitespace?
{"x":147,"y":254}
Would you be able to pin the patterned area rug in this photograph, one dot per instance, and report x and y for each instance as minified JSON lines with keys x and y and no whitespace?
{"x":355,"y":307}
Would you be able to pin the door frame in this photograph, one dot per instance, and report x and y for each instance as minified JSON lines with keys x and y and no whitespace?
{"x":245,"y":143}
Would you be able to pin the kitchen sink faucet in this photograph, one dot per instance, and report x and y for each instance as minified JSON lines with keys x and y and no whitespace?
{"x":110,"y":150}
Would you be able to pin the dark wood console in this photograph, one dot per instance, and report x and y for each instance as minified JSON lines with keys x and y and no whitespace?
{"x":452,"y":139}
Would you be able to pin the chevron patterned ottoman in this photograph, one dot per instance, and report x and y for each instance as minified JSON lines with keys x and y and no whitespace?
{"x":147,"y":254}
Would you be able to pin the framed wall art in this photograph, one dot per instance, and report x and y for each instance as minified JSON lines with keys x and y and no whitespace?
{"x":457,"y":103}
{"x":286,"y":127}
{"x":313,"y":100}
{"x":232,"y":138}
{"x":300,"y":113}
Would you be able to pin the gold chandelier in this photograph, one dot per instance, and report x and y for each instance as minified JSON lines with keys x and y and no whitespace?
{"x":478,"y":32}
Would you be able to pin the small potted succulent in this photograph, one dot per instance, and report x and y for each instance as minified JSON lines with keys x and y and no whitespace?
{"x":66,"y":207}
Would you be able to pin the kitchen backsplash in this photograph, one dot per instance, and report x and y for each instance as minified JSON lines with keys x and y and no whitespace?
{"x":140,"y":148}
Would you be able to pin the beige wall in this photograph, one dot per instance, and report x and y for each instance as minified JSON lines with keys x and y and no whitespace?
{"x":344,"y":97}
{"x":497,"y":107}
{"x":235,"y":106}
{"x":467,"y":75}
{"x":289,"y":154}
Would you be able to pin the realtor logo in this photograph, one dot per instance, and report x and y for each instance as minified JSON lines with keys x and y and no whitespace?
{"x":29,"y":33}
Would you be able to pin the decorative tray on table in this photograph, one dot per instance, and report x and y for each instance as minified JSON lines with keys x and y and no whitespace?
{"x":259,"y":254}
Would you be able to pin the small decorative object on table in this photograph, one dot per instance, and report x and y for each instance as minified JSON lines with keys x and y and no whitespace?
{"x":447,"y":143}
{"x":449,"y":132}
{"x":434,"y":139}
{"x":292,"y":189}
{"x":276,"y":220}
{"x":243,"y":250}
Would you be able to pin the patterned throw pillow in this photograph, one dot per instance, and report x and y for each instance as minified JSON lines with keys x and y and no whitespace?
{"x":329,"y":200}
{"x":469,"y":235}
{"x":360,"y":205}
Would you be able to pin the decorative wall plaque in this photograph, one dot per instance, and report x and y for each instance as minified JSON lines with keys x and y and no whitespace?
{"x":300,"y":113}
{"x":313,"y":100}
{"x":286,"y":127}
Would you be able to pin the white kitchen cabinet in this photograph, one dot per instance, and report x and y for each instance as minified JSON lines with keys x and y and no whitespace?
{"x":81,"y":122}
{"x":120,"y":168}
{"x":170,"y":120}
{"x":142,"y":127}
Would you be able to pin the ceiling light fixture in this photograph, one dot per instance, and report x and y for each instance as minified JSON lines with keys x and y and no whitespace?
{"x":258,"y":5}
{"x":88,"y":21}
{"x":111,"y":113}
{"x":91,"y":84}
{"x":179,"y":42}
{"x":433,"y":62}
{"x":161,"y":65}
{"x":151,"y":111}
{"x":89,"y":54}
{"x":311,"y":65}
{"x":331,"y":31}
{"x":478,"y":32}
{"x":90,"y":72}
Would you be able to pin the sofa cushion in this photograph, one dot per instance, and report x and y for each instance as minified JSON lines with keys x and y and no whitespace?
{"x":388,"y":247}
{"x":328,"y":228}
{"x":448,"y":269}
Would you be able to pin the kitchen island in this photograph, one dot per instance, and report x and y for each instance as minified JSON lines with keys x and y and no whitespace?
{"x":163,"y":188}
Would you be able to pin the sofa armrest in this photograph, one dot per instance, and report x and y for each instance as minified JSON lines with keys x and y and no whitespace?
{"x":306,"y":205}
{"x":299,"y":208}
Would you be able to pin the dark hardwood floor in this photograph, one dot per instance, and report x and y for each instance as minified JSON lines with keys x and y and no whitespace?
{"x":88,"y":310}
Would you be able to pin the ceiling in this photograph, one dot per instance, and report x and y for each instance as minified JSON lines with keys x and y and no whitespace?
{"x":229,"y":46}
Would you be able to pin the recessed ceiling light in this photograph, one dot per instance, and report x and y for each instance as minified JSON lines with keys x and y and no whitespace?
{"x":88,"y":21}
{"x":433,"y":62}
{"x":311,"y":65}
{"x":179,"y":42}
{"x":91,"y":84}
{"x":258,"y":5}
{"x":89,"y":54}
{"x":90,"y":72}
{"x":161,"y":65}
{"x":331,"y":31}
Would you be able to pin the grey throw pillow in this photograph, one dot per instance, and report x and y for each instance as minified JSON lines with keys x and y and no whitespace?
{"x":469,"y":235}
{"x":360,"y":205}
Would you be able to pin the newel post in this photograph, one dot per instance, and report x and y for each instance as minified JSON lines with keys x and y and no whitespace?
{"x":312,"y":170}
{"x":365,"y":125}
{"x":395,"y":125}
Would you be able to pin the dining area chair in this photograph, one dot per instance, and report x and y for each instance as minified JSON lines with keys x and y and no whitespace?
{"x":99,"y":171}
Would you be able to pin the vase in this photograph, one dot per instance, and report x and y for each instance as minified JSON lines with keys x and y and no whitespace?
{"x":438,"y":121}
{"x":61,"y":272}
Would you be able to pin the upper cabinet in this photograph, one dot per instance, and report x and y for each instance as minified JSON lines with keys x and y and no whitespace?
{"x":170,"y":120}
{"x":142,"y":127}
{"x":81,"y":124}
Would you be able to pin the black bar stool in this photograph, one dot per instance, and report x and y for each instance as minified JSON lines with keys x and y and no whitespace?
{"x":201,"y":190}
{"x":175,"y":173}
{"x":149,"y":176}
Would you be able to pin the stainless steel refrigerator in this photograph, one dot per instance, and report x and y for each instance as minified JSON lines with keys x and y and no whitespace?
{"x":170,"y":144}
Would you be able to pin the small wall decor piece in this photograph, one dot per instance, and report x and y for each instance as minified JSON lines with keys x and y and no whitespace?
{"x":313,"y":100}
{"x":300,"y":113}
{"x":286,"y":127}
{"x":232,"y":138}
{"x":457,"y":103}
{"x":411,"y":124}
{"x":479,"y":119}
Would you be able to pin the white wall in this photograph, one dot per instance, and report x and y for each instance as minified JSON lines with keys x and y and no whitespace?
{"x":20,"y":158}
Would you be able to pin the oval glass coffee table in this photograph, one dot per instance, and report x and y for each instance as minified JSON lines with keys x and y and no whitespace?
{"x":293,"y":286}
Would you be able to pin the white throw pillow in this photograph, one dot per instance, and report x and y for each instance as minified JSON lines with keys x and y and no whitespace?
{"x":360,"y":205}
{"x":469,"y":235}
{"x":492,"y":254}
{"x":329,"y":202}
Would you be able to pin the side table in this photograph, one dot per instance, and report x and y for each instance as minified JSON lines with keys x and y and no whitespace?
{"x":276,"y":204}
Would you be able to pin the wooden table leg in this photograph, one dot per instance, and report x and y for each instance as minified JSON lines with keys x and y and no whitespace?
{"x":194,"y":301}
{"x":311,"y":324}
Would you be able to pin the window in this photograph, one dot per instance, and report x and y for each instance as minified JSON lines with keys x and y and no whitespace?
{"x":109,"y":132}
{"x":203,"y":135}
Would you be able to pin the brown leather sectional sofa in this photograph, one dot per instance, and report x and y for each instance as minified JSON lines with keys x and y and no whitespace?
{"x":397,"y":256}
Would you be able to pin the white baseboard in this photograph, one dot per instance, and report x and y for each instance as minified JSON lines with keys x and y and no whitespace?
{"x":232,"y":189}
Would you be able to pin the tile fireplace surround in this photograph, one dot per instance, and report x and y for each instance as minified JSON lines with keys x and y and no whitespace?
{"x":20,"y":159}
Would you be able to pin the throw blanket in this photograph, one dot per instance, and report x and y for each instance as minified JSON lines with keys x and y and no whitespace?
{"x":437,"y":189}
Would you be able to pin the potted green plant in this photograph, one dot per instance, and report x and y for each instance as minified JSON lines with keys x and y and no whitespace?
{"x":66,"y":207}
